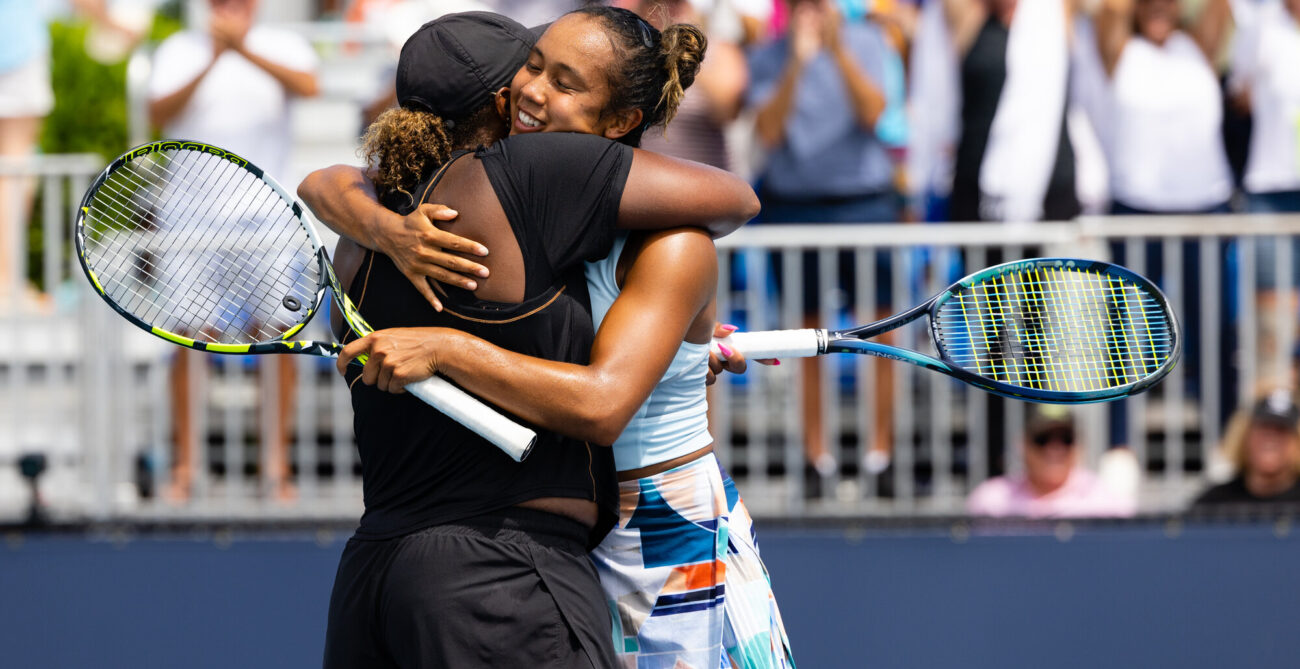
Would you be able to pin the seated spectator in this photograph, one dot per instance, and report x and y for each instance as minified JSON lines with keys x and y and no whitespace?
{"x":1054,"y":484}
{"x":1263,"y":444}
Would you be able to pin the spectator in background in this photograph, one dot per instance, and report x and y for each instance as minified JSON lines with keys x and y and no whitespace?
{"x":818,"y":97}
{"x":25,"y":99}
{"x":1166,"y":153}
{"x":1166,"y":147}
{"x":231,"y":86}
{"x":699,"y":128}
{"x":1054,"y":484}
{"x":1266,"y":80}
{"x":1014,"y":159}
{"x":1263,"y":444}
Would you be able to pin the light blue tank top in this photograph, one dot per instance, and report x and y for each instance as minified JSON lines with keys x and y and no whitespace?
{"x":674,"y":420}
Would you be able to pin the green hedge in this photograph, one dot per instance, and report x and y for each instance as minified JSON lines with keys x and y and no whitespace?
{"x":89,"y":113}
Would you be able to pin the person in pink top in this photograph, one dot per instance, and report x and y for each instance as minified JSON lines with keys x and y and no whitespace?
{"x":1053,"y":484}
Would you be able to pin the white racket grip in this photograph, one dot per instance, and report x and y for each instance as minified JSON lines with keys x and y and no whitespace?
{"x":772,"y":344}
{"x":516,"y":440}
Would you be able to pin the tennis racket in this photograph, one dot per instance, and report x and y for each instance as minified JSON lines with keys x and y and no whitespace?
{"x":202,"y":248}
{"x":1044,"y":329}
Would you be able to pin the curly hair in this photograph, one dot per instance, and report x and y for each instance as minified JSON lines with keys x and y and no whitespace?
{"x":654,"y":67}
{"x":405,"y":146}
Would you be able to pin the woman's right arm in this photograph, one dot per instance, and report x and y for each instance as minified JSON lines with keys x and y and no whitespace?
{"x":664,"y":192}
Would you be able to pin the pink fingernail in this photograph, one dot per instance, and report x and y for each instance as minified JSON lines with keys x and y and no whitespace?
{"x":470,"y":285}
{"x":776,"y":362}
{"x":730,"y":328}
{"x":725,"y":351}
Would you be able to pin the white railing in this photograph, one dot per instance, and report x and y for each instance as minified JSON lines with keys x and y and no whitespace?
{"x":940,"y":446}
{"x":94,"y":394}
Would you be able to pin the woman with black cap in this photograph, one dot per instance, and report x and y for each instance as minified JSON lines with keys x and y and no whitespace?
{"x":605,"y":71}
{"x":454,"y":532}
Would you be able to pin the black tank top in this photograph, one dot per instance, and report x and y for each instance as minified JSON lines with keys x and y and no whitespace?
{"x":419,"y":467}
{"x":983,"y":74}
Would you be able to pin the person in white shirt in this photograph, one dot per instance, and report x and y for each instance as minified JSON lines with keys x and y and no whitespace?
{"x":1265,"y":79}
{"x":1264,"y":73}
{"x":1165,"y":148}
{"x":231,"y":86}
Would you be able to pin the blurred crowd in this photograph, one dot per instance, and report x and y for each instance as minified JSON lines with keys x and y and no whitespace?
{"x":841,"y":111}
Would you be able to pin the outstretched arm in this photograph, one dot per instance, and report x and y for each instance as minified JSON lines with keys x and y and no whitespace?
{"x":665,"y":290}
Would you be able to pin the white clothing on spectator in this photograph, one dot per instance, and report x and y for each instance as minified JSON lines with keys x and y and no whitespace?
{"x":1024,"y":138}
{"x":1167,"y":152}
{"x":934,"y":115}
{"x":1268,"y":65}
{"x":237,"y":106}
{"x":25,"y":90}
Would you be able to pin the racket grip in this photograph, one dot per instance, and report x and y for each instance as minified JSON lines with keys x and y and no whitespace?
{"x":516,"y":440}
{"x":772,"y":343}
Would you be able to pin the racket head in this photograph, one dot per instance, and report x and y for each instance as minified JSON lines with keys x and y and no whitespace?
{"x":200,"y":247}
{"x":1060,"y":330}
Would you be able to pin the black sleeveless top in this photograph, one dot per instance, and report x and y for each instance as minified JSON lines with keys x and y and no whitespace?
{"x":983,"y":74}
{"x":560,"y":193}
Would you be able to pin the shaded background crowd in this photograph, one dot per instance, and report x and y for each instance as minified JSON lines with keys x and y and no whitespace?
{"x":840,"y":112}
{"x":208,"y":498}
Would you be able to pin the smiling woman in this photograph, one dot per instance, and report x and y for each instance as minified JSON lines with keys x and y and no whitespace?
{"x":640,"y":91}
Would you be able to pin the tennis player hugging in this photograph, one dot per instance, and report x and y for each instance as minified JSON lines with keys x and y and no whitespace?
{"x":463,"y":557}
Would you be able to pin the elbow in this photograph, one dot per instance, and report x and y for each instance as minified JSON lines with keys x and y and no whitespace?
{"x":308,"y":188}
{"x":751,"y":204}
{"x":601,"y":423}
{"x":605,"y":434}
{"x":309,"y":88}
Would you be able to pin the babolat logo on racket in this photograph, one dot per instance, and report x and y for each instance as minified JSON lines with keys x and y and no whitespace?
{"x":172,"y":145}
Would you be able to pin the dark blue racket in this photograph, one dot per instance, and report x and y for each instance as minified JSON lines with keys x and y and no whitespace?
{"x":1056,"y":330}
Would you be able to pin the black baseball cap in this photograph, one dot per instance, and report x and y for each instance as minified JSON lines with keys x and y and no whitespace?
{"x":453,"y":64}
{"x":1277,"y":408}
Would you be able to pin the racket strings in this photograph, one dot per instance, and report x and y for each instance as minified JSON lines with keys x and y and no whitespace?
{"x":1056,"y":329}
{"x":166,"y":250}
{"x":194,"y":244}
{"x":147,"y":263}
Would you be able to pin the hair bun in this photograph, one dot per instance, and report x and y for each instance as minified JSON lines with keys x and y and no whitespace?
{"x":683,"y":46}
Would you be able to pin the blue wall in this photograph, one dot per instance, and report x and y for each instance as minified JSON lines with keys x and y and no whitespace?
{"x":1112,"y":596}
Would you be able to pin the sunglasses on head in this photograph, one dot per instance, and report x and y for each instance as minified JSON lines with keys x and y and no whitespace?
{"x":1064,"y":437}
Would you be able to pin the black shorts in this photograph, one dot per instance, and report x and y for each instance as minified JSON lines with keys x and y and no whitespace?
{"x":512,"y":588}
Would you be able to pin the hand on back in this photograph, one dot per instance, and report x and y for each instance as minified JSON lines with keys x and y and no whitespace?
{"x":422,"y":251}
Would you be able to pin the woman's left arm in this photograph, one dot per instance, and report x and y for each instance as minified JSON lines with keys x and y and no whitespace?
{"x":670,"y":283}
